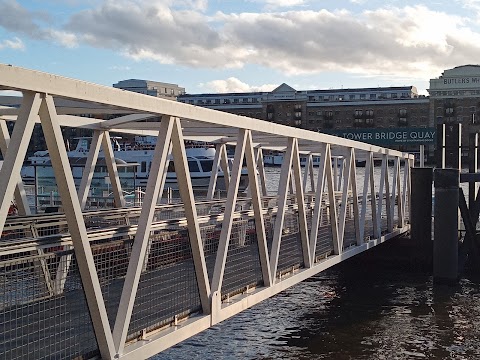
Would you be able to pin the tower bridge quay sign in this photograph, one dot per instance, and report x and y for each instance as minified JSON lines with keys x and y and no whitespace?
{"x":389,"y":136}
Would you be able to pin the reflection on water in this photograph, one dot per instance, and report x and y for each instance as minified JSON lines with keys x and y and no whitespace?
{"x":357,"y":310}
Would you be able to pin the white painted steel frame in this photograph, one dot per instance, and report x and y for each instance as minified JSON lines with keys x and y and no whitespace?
{"x":249,"y":136}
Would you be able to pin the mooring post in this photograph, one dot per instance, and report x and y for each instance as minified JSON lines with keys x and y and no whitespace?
{"x":445,"y":245}
{"x":421,"y":213}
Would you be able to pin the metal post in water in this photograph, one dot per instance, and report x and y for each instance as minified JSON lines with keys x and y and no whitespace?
{"x":445,"y":245}
{"x":421,"y":212}
{"x":422,"y":156}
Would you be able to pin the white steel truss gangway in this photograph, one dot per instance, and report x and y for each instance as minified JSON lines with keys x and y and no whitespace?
{"x":129,"y":282}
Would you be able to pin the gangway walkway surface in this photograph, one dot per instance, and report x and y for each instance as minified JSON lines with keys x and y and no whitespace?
{"x":128,"y":282}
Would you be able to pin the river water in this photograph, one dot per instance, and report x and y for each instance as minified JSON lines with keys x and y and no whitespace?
{"x":364,"y":308}
{"x":360,"y":309}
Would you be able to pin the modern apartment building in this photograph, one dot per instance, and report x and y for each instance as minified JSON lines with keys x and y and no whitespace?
{"x":152,"y":88}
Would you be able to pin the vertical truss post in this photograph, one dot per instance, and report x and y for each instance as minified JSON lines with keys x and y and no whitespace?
{"x":252,"y":163}
{"x":302,"y":216}
{"x":309,"y":174}
{"x":381,"y":189}
{"x":220,"y":161}
{"x":344,"y":201}
{"x":140,"y":244}
{"x":368,"y":181}
{"x":232,"y":193}
{"x":112,"y":170}
{"x":186,"y":194}
{"x":20,"y":195}
{"x":325,"y":161}
{"x":76,"y":225}
{"x":214,"y":175}
{"x":261,"y":170}
{"x":89,"y":169}
{"x":353,"y":184}
{"x":282,"y":205}
{"x":335,"y":172}
{"x":16,"y":151}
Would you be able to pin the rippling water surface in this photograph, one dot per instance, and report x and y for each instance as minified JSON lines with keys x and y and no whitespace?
{"x":356,"y":310}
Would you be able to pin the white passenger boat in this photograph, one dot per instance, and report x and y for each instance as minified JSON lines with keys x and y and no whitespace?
{"x":133,"y":162}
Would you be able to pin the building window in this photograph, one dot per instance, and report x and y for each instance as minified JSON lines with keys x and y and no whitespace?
{"x":235,"y":101}
{"x":394,"y":95}
{"x":402,"y":121}
{"x":363,"y":96}
{"x":217,"y":101}
{"x":358,"y":122}
{"x":245,"y":100}
{"x":373,"y":96}
{"x":209,"y":101}
{"x":402,"y":112}
{"x":351,"y":97}
{"x":358,"y":113}
{"x":311,"y":98}
{"x":298,"y":107}
{"x":254,"y":100}
{"x":369,"y":113}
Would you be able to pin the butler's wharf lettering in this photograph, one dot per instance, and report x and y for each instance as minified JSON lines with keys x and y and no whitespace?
{"x":389,"y":136}
{"x":465,"y":80}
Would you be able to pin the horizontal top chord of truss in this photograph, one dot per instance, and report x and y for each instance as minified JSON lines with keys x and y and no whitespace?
{"x":74,"y":97}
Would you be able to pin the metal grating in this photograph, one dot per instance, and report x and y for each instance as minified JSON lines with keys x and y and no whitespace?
{"x":43,"y":310}
{"x":169,"y":262}
{"x":242,"y":267}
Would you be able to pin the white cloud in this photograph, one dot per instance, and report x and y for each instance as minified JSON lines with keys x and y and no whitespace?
{"x":64,"y":38}
{"x":390,"y":41}
{"x":119,"y":68}
{"x":234,"y":85}
{"x":15,"y":44}
{"x":274,"y":4}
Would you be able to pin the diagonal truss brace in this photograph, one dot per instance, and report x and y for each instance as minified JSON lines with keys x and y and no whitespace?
{"x":76,"y":225}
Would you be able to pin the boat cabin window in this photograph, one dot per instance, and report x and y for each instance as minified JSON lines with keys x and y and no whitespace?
{"x":207,"y":165}
{"x":193,"y":166}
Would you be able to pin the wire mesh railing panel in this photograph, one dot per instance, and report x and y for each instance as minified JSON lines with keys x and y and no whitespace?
{"x":324,"y":237}
{"x":210,"y":235}
{"x":16,"y":230}
{"x":43,"y":311}
{"x":290,"y":255}
{"x":168,"y":286}
{"x":242,"y":267}
{"x":170,"y":212}
{"x":111,"y":259}
{"x":369,"y":232}
{"x":104,"y":219}
{"x":350,"y":237}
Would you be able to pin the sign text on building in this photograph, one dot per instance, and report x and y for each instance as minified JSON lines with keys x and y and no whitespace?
{"x":388,"y":136}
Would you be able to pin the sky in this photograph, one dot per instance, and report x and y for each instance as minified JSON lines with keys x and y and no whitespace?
{"x":211,"y":46}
